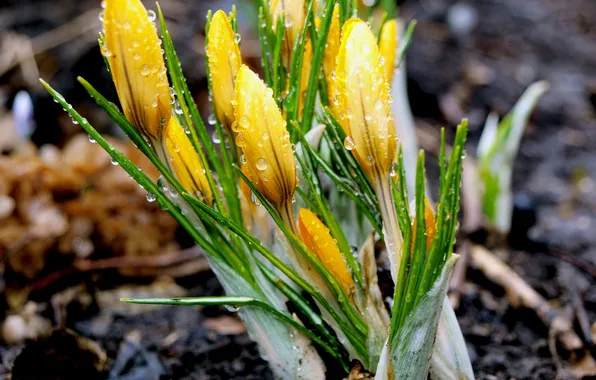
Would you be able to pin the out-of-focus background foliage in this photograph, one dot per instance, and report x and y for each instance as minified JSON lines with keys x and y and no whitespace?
{"x":76,"y":233}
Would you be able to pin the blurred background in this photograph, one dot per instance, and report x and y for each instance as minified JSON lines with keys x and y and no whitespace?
{"x":77,"y":234}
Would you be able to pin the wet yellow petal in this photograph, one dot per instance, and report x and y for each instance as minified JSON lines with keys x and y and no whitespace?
{"x":364,"y":99}
{"x":329,"y":59}
{"x":318,"y":239}
{"x":263,"y":138}
{"x":134,"y":53}
{"x":306,"y":68}
{"x":294,"y":14}
{"x":186,"y":163}
{"x":224,"y":61}
{"x":388,"y":47}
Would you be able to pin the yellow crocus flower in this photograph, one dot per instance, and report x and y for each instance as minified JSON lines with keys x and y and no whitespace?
{"x":263,"y":138}
{"x":134,"y":53}
{"x":388,"y":47}
{"x":294,"y":14}
{"x":364,"y":99}
{"x":318,"y":239}
{"x":185,"y":162}
{"x":224,"y":59}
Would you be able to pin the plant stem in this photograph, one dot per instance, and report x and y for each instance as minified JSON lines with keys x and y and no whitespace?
{"x":391,"y":231}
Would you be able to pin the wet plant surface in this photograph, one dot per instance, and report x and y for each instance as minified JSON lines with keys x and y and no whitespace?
{"x":467,"y":58}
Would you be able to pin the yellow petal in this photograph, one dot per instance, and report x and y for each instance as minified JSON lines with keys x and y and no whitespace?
{"x":363,"y":94}
{"x":306,"y":68}
{"x":294,"y":15}
{"x":186,"y":163}
{"x":224,"y":61}
{"x":134,"y":53}
{"x":388,"y":47}
{"x":329,"y":59}
{"x":318,"y":239}
{"x":333,"y":40}
{"x":263,"y":138}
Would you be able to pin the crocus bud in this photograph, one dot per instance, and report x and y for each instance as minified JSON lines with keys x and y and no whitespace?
{"x":363,"y":94}
{"x":262,"y":135}
{"x":186,"y":163}
{"x":318,"y":239}
{"x":133,"y":51}
{"x":388,"y":47}
{"x":294,"y":15}
{"x":224,"y":61}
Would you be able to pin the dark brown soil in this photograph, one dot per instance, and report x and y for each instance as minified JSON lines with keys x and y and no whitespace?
{"x":452,"y":72}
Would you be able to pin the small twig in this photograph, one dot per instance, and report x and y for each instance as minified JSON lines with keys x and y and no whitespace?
{"x":580,"y":313}
{"x":520,"y":294}
{"x":175,"y":264}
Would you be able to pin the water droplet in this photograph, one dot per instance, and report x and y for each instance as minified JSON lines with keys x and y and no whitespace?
{"x":215,"y":138}
{"x":101,"y":14}
{"x":261,"y":164}
{"x":242,"y":159}
{"x":103,"y":4}
{"x":114,"y":162}
{"x":92,"y":140}
{"x":150,"y":197}
{"x":367,"y":117}
{"x":151,"y":15}
{"x":237,"y":38}
{"x":136,"y":56}
{"x":293,"y":147}
{"x":349,"y":143}
{"x":211,"y":119}
{"x":254,"y":199}
{"x":232,"y":309}
{"x":105,"y":51}
{"x":392,"y":172}
{"x":145,"y":70}
{"x":176,"y":148}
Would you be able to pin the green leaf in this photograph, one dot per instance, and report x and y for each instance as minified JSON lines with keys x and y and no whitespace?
{"x":411,"y":348}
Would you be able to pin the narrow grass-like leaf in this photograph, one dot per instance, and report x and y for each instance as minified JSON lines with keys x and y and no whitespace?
{"x":318,"y":54}
{"x":404,"y":43}
{"x":236,"y":301}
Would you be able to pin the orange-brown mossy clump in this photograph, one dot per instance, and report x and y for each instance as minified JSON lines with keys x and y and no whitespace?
{"x":57,"y":206}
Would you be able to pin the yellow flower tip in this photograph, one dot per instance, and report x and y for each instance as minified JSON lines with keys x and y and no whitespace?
{"x":294,"y":14}
{"x":318,"y":239}
{"x":224,"y":59}
{"x":134,"y":53}
{"x":186,"y":163}
{"x":388,"y":47}
{"x":364,"y":100}
{"x":262,"y":135}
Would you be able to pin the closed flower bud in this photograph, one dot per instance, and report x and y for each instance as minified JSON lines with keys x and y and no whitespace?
{"x":294,"y":15}
{"x":318,"y":239}
{"x":363,"y":94}
{"x":388,"y":47}
{"x":224,"y":61}
{"x":262,"y":135}
{"x":186,"y":163}
{"x":133,"y":51}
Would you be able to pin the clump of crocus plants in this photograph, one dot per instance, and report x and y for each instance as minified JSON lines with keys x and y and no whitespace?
{"x":296,"y":176}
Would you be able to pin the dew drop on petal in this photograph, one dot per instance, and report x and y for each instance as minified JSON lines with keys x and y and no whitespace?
{"x":211,"y":119}
{"x":261,"y":164}
{"x":237,"y":37}
{"x":145,"y":70}
{"x":151,"y":15}
{"x":349,"y":143}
